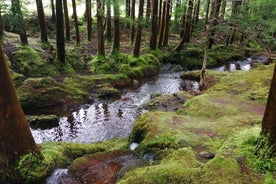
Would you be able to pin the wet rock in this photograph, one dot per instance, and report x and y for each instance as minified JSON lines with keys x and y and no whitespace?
{"x":44,"y":121}
{"x":207,"y":155}
{"x":103,"y":168}
{"x":154,"y":95}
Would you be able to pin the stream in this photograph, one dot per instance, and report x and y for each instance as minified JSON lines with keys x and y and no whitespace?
{"x":104,"y":120}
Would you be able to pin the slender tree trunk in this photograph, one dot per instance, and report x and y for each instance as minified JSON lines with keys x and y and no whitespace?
{"x":41,"y":20}
{"x":223,"y":8}
{"x":132,"y":34}
{"x":162,"y":28}
{"x":53,"y":17}
{"x":136,"y":50}
{"x":207,"y":12}
{"x":183,"y":19}
{"x":202,"y":84}
{"x":214,"y":20}
{"x":88,"y":19}
{"x":116,"y":44}
{"x":154,"y":14}
{"x":188,"y":26}
{"x":108,"y":22}
{"x":101,"y":50}
{"x":60,"y":32}
{"x":75,"y":16}
{"x":167,"y":24}
{"x":127,"y":9}
{"x":159,"y":14}
{"x":19,"y":26}
{"x":195,"y":15}
{"x":66,"y":21}
{"x":176,"y":13}
{"x":16,"y":138}
{"x":148,"y":9}
{"x":1,"y":26}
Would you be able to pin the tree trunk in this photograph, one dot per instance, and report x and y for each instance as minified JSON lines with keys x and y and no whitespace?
{"x":195,"y":15}
{"x":167,"y":23}
{"x":101,"y":49}
{"x":18,"y":22}
{"x":148,"y":9}
{"x":159,"y":14}
{"x":136,"y":50}
{"x":162,"y":28}
{"x":116,"y":44}
{"x":15,"y":136}
{"x":176,"y":13}
{"x":132,"y":34}
{"x":154,"y":14}
{"x":183,"y":19}
{"x":66,"y":21}
{"x":53,"y":17}
{"x":41,"y":20}
{"x":214,"y":20}
{"x":60,"y":32}
{"x":88,"y":19}
{"x":188,"y":26}
{"x":269,"y":119}
{"x":223,"y":8}
{"x":127,"y":9}
{"x":202,"y":84}
{"x":207,"y":12}
{"x":75,"y":16}
{"x":1,"y":26}
{"x":108,"y":22}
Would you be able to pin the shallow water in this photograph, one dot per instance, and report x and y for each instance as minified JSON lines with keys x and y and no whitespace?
{"x":104,"y":120}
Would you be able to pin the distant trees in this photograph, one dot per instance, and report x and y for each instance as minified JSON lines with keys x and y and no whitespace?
{"x":137,"y":45}
{"x":75,"y":17}
{"x":116,"y":42}
{"x":100,"y":15}
{"x":154,"y":30}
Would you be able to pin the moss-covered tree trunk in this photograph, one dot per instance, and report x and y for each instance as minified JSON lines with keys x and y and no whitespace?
{"x":18,"y":21}
{"x":60,"y":32}
{"x":116,"y":43}
{"x":154,"y":14}
{"x":137,"y":45}
{"x":132,"y":34}
{"x":41,"y":20}
{"x":162,"y":26}
{"x":100,"y":12}
{"x":75,"y":16}
{"x":15,"y":136}
{"x":108,"y":22}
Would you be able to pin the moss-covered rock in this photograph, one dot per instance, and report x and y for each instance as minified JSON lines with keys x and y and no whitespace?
{"x":43,"y":121}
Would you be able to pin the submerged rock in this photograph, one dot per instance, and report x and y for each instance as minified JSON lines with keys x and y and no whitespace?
{"x":44,"y":121}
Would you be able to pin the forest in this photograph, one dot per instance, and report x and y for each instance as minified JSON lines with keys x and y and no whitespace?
{"x":136,"y":92}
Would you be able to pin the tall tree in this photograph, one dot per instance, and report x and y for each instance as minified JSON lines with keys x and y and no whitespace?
{"x":132,"y":34}
{"x":41,"y":20}
{"x":116,"y":44}
{"x":100,"y":17}
{"x":60,"y":32}
{"x":234,"y":12}
{"x":216,"y":4}
{"x":188,"y":26}
{"x":1,"y":25}
{"x":137,"y":45}
{"x":18,"y":21}
{"x":53,"y":17}
{"x":88,"y":16}
{"x":162,"y":25}
{"x":154,"y":14}
{"x":148,"y":9}
{"x":66,"y":20}
{"x":167,"y":23}
{"x":223,"y":8}
{"x":207,"y":12}
{"x":75,"y":16}
{"x":15,"y":136}
{"x":108,"y":21}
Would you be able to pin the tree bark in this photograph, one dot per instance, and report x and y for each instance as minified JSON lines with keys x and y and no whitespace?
{"x":162,"y":28}
{"x":116,"y":44}
{"x":269,"y":119}
{"x":148,"y":9}
{"x":88,"y":19}
{"x":1,"y":26}
{"x":167,"y":23}
{"x":214,"y":20}
{"x":223,"y":8}
{"x":100,"y":11}
{"x":136,"y":50}
{"x":15,"y":136}
{"x":60,"y":32}
{"x":19,"y":26}
{"x":108,"y":22}
{"x":41,"y":20}
{"x":66,"y":21}
{"x":207,"y":12}
{"x":154,"y":14}
{"x":53,"y":17}
{"x":159,"y":14}
{"x":132,"y":34}
{"x":75,"y":16}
